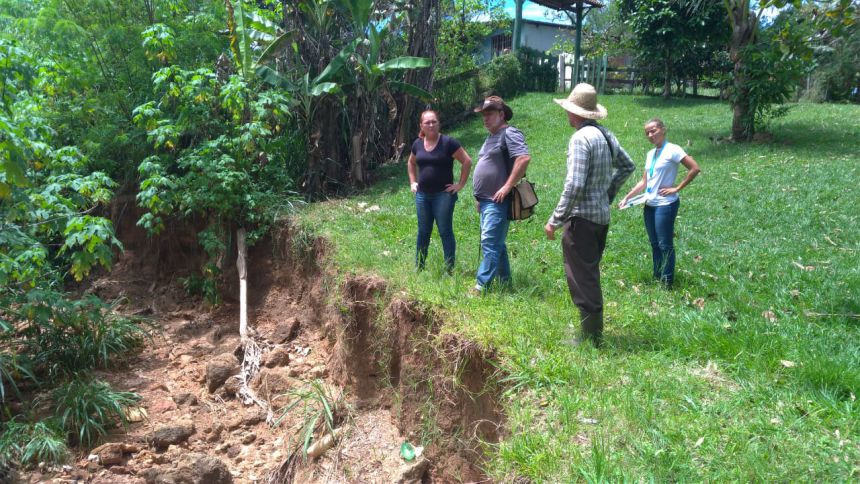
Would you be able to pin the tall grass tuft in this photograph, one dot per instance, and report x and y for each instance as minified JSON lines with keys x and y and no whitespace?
{"x":86,"y":407}
{"x":31,"y":443}
{"x":65,"y":336}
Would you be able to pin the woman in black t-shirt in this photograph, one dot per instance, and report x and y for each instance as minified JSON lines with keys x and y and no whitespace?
{"x":431,"y":177}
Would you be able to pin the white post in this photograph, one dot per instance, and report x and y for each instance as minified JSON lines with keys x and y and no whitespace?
{"x":243,"y":285}
{"x":561,"y":69}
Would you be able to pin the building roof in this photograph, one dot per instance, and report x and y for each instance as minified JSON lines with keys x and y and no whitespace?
{"x":567,"y":5}
{"x":542,"y":23}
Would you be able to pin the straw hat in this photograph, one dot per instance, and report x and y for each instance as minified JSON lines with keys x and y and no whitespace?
{"x":497,"y":104}
{"x":583,"y":102}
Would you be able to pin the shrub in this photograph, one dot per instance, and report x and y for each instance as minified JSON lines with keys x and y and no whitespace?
{"x":86,"y":407}
{"x":540,"y":72}
{"x":503,"y":76}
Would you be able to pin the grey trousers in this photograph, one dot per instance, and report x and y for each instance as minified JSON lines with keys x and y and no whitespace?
{"x":582,"y":246}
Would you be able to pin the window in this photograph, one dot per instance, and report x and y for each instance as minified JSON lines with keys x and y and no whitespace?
{"x":501,"y":44}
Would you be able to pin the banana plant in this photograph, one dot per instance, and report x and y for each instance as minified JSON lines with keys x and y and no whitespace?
{"x":250,"y":31}
{"x":371,"y":76}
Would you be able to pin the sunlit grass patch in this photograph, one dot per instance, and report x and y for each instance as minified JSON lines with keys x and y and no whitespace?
{"x":748,"y":370}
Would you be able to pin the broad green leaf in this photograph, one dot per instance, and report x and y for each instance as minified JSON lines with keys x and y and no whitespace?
{"x":359,"y":12}
{"x":337,"y":63}
{"x":323,"y":88}
{"x":242,"y":39}
{"x":271,"y":77}
{"x":275,"y":47}
{"x":405,"y":62}
{"x":260,"y":23}
{"x":14,"y":166}
{"x":412,"y":90}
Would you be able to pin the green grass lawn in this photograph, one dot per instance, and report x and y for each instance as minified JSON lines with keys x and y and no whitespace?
{"x":748,"y":370}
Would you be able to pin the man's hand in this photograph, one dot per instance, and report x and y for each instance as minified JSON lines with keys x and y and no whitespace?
{"x":414,"y":187}
{"x":503,"y":192}
{"x":550,"y":231}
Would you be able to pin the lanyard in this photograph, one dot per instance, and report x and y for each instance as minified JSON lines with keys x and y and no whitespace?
{"x":655,"y":158}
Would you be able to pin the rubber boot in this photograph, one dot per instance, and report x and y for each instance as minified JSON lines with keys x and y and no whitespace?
{"x":592,"y":327}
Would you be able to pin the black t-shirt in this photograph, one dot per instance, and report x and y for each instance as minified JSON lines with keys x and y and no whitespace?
{"x":436,"y":168}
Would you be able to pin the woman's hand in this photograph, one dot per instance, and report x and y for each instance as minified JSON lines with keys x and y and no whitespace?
{"x":414,"y":187}
{"x":454,"y":188}
{"x":665,"y":192}
{"x":622,"y":203}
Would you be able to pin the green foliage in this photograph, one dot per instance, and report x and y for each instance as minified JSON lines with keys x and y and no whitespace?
{"x":63,"y":336}
{"x":226,"y":150}
{"x":158,"y":41}
{"x":19,"y":137}
{"x":503,"y":76}
{"x":771,"y":79}
{"x":673,"y":42}
{"x":835,"y":76}
{"x":12,"y":367}
{"x":96,"y":64}
{"x":511,"y":74}
{"x":47,"y":231}
{"x":86,"y":408}
{"x":32,"y":443}
{"x":465,"y":24}
{"x":205,"y":284}
{"x":539,"y":71}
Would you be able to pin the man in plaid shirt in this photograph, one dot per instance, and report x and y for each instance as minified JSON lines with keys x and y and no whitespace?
{"x":597,"y":166}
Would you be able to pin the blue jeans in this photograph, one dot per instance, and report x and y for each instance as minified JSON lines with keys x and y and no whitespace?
{"x":438,"y":207}
{"x":660,"y":225}
{"x":494,"y":231}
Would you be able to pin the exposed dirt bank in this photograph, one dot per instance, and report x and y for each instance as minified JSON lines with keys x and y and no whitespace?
{"x":376,"y":358}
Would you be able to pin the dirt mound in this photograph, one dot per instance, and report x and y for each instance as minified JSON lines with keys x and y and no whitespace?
{"x":348,"y":356}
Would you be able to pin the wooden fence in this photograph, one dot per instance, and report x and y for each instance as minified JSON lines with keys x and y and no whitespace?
{"x":598,"y":73}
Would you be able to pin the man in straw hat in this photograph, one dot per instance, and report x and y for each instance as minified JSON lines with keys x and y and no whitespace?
{"x":502,"y":161}
{"x":597,"y":166}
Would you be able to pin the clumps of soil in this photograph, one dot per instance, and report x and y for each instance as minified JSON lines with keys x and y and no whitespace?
{"x":383,"y":363}
{"x":441,"y":386}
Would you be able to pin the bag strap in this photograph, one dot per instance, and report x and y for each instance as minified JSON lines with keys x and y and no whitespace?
{"x":603,"y":131}
{"x":509,"y":162}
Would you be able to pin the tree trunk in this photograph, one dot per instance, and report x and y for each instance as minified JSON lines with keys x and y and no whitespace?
{"x":743,"y":33}
{"x":667,"y":77}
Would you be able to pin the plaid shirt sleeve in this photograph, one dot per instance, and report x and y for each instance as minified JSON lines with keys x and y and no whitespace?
{"x":574,"y":183}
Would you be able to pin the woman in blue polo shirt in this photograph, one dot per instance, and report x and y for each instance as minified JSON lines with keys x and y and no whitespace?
{"x":661,"y":196}
{"x":431,"y":178}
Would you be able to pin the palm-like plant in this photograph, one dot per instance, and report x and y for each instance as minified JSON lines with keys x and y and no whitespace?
{"x":359,"y":70}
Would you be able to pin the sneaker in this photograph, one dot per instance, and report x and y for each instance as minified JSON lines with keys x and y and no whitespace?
{"x":476,"y":291}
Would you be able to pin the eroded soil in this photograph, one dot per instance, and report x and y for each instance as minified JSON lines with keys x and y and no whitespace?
{"x":379,"y":358}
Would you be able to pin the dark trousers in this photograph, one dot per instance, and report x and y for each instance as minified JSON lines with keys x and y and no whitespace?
{"x":583,"y":245}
